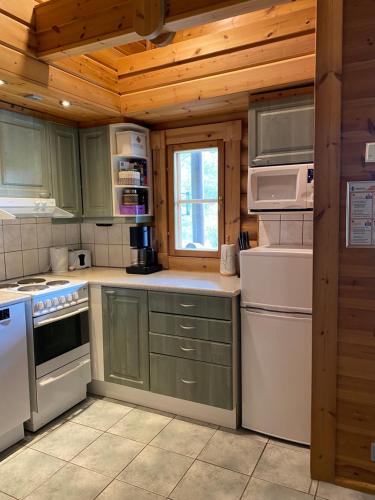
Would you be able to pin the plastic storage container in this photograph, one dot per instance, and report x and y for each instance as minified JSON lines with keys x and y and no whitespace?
{"x":131,"y":143}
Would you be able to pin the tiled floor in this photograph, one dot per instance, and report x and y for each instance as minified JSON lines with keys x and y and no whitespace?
{"x":111,"y":450}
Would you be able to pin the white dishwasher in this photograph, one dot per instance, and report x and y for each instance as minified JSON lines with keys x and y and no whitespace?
{"x":14,"y":376}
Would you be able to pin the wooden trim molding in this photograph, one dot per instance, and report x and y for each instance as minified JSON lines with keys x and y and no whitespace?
{"x":328,"y":89}
{"x":230,"y":134}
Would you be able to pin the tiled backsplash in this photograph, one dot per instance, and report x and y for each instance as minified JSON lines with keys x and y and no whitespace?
{"x":25,"y":243}
{"x":286,"y":229}
{"x":109,"y":245}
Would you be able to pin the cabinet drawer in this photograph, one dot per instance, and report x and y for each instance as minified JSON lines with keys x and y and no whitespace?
{"x":186,"y":326}
{"x":191,"y":305}
{"x":200,"y":350}
{"x":192,"y":380}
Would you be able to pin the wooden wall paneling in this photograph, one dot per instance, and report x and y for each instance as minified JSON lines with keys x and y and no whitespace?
{"x":44,"y":115}
{"x":16,"y":34}
{"x":326,"y":243}
{"x":296,"y":71}
{"x":232,"y":190}
{"x":234,"y":39}
{"x":240,"y":59}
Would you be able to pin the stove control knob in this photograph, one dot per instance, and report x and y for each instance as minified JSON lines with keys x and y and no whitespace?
{"x":69,"y":297}
{"x":75,"y":295}
{"x":48,"y":303}
{"x":40,"y":306}
{"x":62,"y":300}
{"x":55,"y":301}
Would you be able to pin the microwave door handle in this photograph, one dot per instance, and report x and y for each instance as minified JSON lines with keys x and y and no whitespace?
{"x":58,"y":318}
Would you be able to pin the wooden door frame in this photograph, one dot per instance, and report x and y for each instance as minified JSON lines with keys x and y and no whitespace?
{"x":328,"y":89}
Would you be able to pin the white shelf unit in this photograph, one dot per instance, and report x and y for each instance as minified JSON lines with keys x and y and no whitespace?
{"x":117,"y":189}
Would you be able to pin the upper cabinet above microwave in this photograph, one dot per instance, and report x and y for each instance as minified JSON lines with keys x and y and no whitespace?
{"x":281,"y":131}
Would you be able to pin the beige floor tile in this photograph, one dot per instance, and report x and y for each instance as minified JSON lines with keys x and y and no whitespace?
{"x":101,"y":415}
{"x":33,"y":437}
{"x":285,"y":467}
{"x":26,"y":471}
{"x":71,"y":483}
{"x":12,"y":451}
{"x":330,"y":491}
{"x":313,"y":487}
{"x":291,"y":446}
{"x":156,"y":470}
{"x":140,"y":425}
{"x":109,"y":454}
{"x":67,"y":440}
{"x":118,"y":490}
{"x":238,"y":452}
{"x":208,"y":482}
{"x":263,"y":490}
{"x":184,"y":437}
{"x":3,"y":496}
{"x":79,"y":408}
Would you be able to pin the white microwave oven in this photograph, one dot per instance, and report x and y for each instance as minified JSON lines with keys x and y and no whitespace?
{"x":280,"y":188}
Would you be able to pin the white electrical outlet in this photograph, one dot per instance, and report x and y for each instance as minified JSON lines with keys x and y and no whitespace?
{"x":370,"y":152}
{"x":373,"y":452}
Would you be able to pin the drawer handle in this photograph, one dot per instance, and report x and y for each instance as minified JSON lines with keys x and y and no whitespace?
{"x":187,"y":327}
{"x":186,"y":349}
{"x":187,"y":305}
{"x":188,"y":381}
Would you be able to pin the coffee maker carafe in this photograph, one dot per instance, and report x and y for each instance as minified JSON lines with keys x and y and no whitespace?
{"x":144,"y":257}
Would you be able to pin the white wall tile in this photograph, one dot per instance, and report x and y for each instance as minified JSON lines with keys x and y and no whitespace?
{"x":115,"y":256}
{"x":2,"y":267}
{"x":12,"y":222}
{"x":101,"y":235}
{"x":292,"y":216}
{"x":28,"y":236}
{"x":269,"y":217}
{"x":73,"y":234}
{"x":43,"y":220}
{"x":126,"y":234}
{"x":87,"y":232}
{"x":44,"y":235}
{"x":13,"y":265}
{"x":126,"y":255}
{"x":115,"y":234}
{"x":44,"y":260}
{"x":58,"y":235}
{"x":28,"y":220}
{"x":308,"y":227}
{"x":308,"y":216}
{"x":101,"y":255}
{"x":12,"y":237}
{"x":291,"y":233}
{"x":269,"y":232}
{"x":1,"y":239}
{"x":30,"y":262}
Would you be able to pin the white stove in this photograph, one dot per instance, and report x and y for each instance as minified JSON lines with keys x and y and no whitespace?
{"x":58,"y":344}
{"x":49,"y":294}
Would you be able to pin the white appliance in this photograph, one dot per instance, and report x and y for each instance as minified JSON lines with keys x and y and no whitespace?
{"x":59,"y":257}
{"x":79,"y":259}
{"x":276,"y":341}
{"x":58,"y":345}
{"x":286,"y":187}
{"x":14,"y":381}
{"x":11,"y":208}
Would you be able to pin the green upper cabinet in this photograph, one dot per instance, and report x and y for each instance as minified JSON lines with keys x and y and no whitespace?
{"x":66,"y":178}
{"x":96,"y":172}
{"x":24,"y":156}
{"x":125,"y":337}
{"x":281,"y":131}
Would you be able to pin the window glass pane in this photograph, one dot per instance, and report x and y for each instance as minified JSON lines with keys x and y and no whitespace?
{"x":196,"y":174}
{"x":196,"y":226}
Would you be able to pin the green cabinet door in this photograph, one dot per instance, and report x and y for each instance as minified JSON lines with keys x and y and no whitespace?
{"x":281,"y":131}
{"x":24,"y":156}
{"x":96,"y":172}
{"x":66,"y":178}
{"x":125,"y":337}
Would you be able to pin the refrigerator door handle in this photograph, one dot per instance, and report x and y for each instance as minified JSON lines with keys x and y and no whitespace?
{"x":277,"y":314}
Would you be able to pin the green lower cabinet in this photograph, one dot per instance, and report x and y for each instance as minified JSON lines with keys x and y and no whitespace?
{"x":125,"y":337}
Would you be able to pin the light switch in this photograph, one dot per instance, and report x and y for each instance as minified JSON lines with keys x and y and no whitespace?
{"x":370,"y":152}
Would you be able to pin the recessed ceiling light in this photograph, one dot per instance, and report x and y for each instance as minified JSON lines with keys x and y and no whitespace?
{"x":34,"y":97}
{"x":3,"y":82}
{"x":65,"y":104}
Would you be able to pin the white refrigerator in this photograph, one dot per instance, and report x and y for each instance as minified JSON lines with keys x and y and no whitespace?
{"x":276,"y":341}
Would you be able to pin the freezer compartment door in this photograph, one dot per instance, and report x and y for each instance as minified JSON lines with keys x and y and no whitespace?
{"x":277,"y":278}
{"x":276,"y":374}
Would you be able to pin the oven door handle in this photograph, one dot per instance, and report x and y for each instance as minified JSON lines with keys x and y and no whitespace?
{"x":58,"y":318}
{"x":50,"y":380}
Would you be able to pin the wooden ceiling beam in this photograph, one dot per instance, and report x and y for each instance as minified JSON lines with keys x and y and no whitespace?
{"x":68,"y":27}
{"x":296,"y":71}
{"x":224,"y":41}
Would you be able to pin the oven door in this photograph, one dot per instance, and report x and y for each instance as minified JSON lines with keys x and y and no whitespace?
{"x":277,"y":188}
{"x":60,"y":338}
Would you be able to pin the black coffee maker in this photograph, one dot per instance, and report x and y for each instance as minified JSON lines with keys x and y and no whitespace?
{"x":144,"y":259}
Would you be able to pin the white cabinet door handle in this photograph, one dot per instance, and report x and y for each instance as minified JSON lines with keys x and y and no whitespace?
{"x":187,"y":327}
{"x":186,"y":349}
{"x":188,"y":381}
{"x":187,"y":305}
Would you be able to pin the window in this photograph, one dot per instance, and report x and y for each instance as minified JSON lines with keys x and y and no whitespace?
{"x":196,"y":184}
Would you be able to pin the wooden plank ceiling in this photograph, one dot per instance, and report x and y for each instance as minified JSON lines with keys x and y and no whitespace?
{"x":209,"y":68}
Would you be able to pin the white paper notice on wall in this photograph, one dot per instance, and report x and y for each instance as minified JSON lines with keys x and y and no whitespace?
{"x":360,"y":214}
